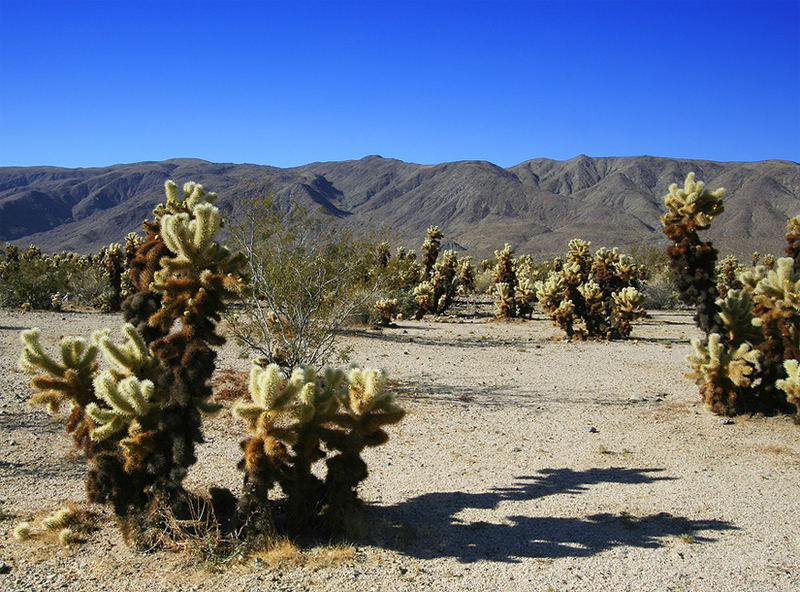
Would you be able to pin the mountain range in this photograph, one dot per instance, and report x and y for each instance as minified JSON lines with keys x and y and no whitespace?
{"x":536,"y":206}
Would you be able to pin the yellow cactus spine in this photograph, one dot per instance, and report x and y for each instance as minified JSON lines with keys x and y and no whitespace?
{"x":128,"y":400}
{"x":693,"y":204}
{"x":22,"y":532}
{"x":59,"y":519}
{"x":791,"y":384}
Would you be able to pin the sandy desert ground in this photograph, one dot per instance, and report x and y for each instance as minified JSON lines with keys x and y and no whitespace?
{"x":524,"y":463}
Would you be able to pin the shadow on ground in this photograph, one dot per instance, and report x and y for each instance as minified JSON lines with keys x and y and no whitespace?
{"x":496,"y":396}
{"x":428,"y":526}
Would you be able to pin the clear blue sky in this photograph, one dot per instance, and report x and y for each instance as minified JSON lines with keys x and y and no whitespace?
{"x":287,"y":83}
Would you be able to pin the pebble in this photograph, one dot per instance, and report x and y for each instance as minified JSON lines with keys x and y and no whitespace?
{"x":591,"y":430}
{"x":725,"y":420}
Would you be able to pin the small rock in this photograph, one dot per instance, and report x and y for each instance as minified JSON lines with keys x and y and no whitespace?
{"x":590,"y":429}
{"x":4,"y":567}
{"x":258,"y":562}
{"x":12,"y":442}
{"x":725,"y":420}
{"x":637,"y":398}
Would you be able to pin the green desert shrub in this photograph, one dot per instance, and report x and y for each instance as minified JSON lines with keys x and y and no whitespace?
{"x":309,"y":278}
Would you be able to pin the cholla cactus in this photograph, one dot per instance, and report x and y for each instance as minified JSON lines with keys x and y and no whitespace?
{"x":722,"y":373}
{"x":628,"y":307}
{"x":504,"y":301}
{"x":444,"y":280}
{"x":505,"y":281}
{"x":425,"y":299}
{"x":466,"y":276}
{"x":779,"y":288}
{"x":727,"y":272}
{"x":688,"y":210}
{"x":387,"y":309}
{"x":753,"y":331}
{"x":22,"y":532}
{"x":793,"y":239}
{"x":127,"y":401}
{"x":69,"y":380}
{"x":693,"y":206}
{"x":601,"y":291}
{"x":68,"y":537}
{"x":525,"y":296}
{"x":113,"y":262}
{"x":140,"y":419}
{"x":431,"y":246}
{"x":59,"y":519}
{"x":520,"y":290}
{"x":736,"y":313}
{"x":292,"y":420}
{"x":435,"y":295}
{"x":791,"y":384}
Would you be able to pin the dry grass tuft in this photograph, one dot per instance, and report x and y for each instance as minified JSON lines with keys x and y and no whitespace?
{"x":281,"y":551}
{"x":328,"y":556}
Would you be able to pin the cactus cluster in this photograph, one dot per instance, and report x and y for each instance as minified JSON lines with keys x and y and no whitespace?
{"x":513,"y":284}
{"x":746,"y":362}
{"x":424,"y":288}
{"x":306,"y":418}
{"x":140,"y":418}
{"x":436,"y":293}
{"x":592,"y":296}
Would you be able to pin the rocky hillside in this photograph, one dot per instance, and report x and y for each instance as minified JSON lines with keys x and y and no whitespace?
{"x":538,"y":205}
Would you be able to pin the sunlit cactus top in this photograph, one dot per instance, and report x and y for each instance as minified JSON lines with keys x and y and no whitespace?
{"x":693,"y":204}
{"x":709,"y":362}
{"x":780,"y":287}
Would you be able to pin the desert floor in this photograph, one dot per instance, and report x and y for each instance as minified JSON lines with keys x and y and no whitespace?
{"x":525,"y":462}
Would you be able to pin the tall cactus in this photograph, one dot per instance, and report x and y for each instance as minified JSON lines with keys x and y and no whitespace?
{"x":431,"y":246}
{"x":753,"y":329}
{"x":691,"y":209}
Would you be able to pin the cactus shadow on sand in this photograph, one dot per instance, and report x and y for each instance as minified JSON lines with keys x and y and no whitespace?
{"x":428,"y":526}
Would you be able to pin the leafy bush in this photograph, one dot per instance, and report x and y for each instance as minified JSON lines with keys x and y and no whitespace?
{"x":309,"y":279}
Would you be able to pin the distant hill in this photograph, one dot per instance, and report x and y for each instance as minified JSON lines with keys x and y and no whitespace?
{"x":537,"y":206}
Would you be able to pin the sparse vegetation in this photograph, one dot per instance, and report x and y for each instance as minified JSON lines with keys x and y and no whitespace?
{"x":31,"y":280}
{"x":308,"y":281}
